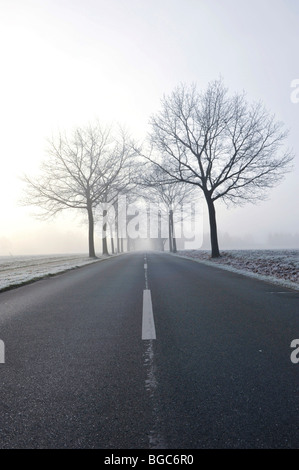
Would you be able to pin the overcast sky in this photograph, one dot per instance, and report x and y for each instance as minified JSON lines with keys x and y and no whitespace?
{"x":66,"y":62}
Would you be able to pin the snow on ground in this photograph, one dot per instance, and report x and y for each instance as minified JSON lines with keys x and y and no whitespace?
{"x":277,"y":266}
{"x":15,"y":271}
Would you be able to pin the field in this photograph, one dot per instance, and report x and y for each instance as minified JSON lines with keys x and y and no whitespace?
{"x":20,"y":270}
{"x":277,"y":266}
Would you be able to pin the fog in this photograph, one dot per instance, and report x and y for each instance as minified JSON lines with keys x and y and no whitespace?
{"x":67,"y":62}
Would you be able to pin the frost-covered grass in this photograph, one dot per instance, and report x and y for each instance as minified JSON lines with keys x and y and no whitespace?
{"x":16,"y":271}
{"x":278,"y":266}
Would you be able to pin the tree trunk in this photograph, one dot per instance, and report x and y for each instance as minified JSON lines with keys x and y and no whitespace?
{"x":160,"y":241}
{"x":117,"y":229}
{"x":174,"y":248}
{"x":104,"y":235}
{"x":112,"y":245}
{"x":213,"y":228}
{"x":170,"y":233}
{"x":91,"y":248}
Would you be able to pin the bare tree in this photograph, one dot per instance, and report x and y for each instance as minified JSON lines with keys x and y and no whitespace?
{"x":230,"y":149}
{"x":122,"y":182}
{"x":79,"y":173}
{"x":169,"y":196}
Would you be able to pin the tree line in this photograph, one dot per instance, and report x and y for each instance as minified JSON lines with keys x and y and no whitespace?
{"x":210,"y":144}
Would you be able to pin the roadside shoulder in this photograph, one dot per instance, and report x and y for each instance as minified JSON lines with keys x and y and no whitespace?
{"x":271,"y":279}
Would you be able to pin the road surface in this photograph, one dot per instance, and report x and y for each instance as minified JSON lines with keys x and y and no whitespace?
{"x":149,"y":352}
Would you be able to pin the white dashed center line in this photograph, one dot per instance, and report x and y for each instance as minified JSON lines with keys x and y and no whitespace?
{"x":148,"y":323}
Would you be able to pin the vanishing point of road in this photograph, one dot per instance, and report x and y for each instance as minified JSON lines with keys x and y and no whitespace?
{"x":149,"y":351}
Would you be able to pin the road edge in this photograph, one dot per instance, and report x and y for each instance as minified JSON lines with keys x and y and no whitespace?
{"x":47,"y":276}
{"x":260,"y":277}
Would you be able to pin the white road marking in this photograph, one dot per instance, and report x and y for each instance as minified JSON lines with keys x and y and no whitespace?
{"x":145,"y":272}
{"x":285,"y":293}
{"x":156,"y":440}
{"x":2,"y":352}
{"x":148,"y":323}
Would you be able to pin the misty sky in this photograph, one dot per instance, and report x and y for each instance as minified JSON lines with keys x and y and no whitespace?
{"x":66,"y":62}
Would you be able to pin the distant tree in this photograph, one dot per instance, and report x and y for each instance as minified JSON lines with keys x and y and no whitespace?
{"x":169,"y":197}
{"x":122,"y":182}
{"x":79,"y":173}
{"x":228,"y":148}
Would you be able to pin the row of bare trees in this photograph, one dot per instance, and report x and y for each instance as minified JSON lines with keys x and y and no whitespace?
{"x":82,"y":171}
{"x":200,"y":143}
{"x":169,"y":198}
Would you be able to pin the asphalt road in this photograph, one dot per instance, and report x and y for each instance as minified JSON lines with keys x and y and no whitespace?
{"x":78,"y":374}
